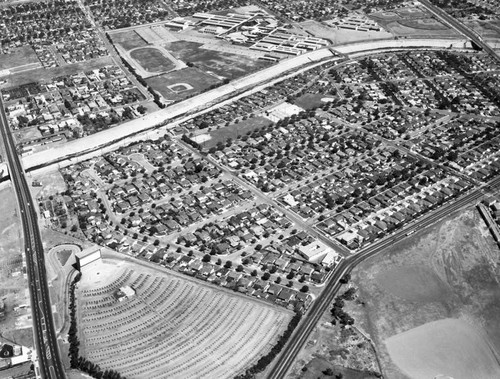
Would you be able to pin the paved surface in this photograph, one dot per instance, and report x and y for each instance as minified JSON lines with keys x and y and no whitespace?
{"x":148,"y":122}
{"x":285,"y":361}
{"x":49,"y":363}
{"x":461,"y":28}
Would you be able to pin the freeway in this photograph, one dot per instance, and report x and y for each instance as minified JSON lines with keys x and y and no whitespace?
{"x":49,"y":363}
{"x":323,"y":302}
{"x":460,"y":27}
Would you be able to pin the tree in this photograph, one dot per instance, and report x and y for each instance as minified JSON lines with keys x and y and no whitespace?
{"x":304,"y":289}
{"x":156,"y":242}
{"x":239,"y":268}
{"x":228,"y":264}
{"x":345,"y":279}
{"x":266,"y":276}
{"x":328,"y":372}
{"x":206,"y":258}
{"x":254,"y":273}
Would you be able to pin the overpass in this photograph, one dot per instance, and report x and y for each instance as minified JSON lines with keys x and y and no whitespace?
{"x":49,"y":362}
{"x":461,"y":28}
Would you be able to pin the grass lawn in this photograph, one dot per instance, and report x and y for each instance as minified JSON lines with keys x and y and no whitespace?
{"x":196,"y":78}
{"x":128,"y":40}
{"x":18,"y":57}
{"x":235,"y":130}
{"x":152,"y":59}
{"x":224,"y":64}
{"x":309,"y":100}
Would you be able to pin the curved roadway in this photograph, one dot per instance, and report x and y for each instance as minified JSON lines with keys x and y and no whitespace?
{"x":49,"y":361}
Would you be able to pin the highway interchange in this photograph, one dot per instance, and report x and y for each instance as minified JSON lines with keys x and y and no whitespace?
{"x":49,"y":362}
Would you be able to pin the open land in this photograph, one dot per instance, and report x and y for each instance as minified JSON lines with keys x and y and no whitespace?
{"x":18,"y":57}
{"x":342,"y":36}
{"x":434,"y":299}
{"x":345,"y":351}
{"x":195,"y":78}
{"x":234,"y":131}
{"x":223,"y":64}
{"x":173,"y":327}
{"x":152,"y":60}
{"x":47,"y":74}
{"x":16,"y":327}
{"x":129,"y":40}
{"x":412,"y":22}
{"x":485,"y":29}
{"x":448,"y":347}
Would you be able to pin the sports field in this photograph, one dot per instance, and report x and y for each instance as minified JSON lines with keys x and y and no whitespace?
{"x":152,"y":60}
{"x":224,"y":64}
{"x":128,"y":40}
{"x":195,"y":78}
{"x":172,"y":327}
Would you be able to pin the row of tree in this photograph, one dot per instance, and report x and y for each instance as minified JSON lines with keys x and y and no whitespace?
{"x":263,"y":362}
{"x":76,"y":361}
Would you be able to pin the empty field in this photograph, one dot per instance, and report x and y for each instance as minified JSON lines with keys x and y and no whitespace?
{"x":13,"y":291}
{"x":152,"y":60}
{"x":48,"y":74}
{"x":18,"y":57}
{"x":198,"y":80}
{"x":449,"y":347}
{"x":172,"y":327}
{"x":418,"y":284}
{"x":309,"y":101}
{"x":236,"y":130}
{"x":128,"y":40}
{"x":223,"y":64}
{"x":339,"y":36}
{"x":420,"y":27}
{"x":448,"y":272}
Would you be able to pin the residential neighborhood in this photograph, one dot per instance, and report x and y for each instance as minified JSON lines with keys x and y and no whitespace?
{"x":249,"y":189}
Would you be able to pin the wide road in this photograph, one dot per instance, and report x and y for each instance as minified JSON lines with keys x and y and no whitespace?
{"x":49,"y":362}
{"x":459,"y":26}
{"x":285,"y":361}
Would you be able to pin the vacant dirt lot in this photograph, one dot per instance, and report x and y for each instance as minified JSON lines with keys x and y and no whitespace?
{"x":340,"y":36}
{"x":18,"y":57}
{"x":16,"y":327}
{"x":173,"y":327}
{"x":447,"y":347}
{"x":449,"y":273}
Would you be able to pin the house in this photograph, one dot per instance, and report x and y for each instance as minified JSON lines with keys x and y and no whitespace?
{"x":286,"y":295}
